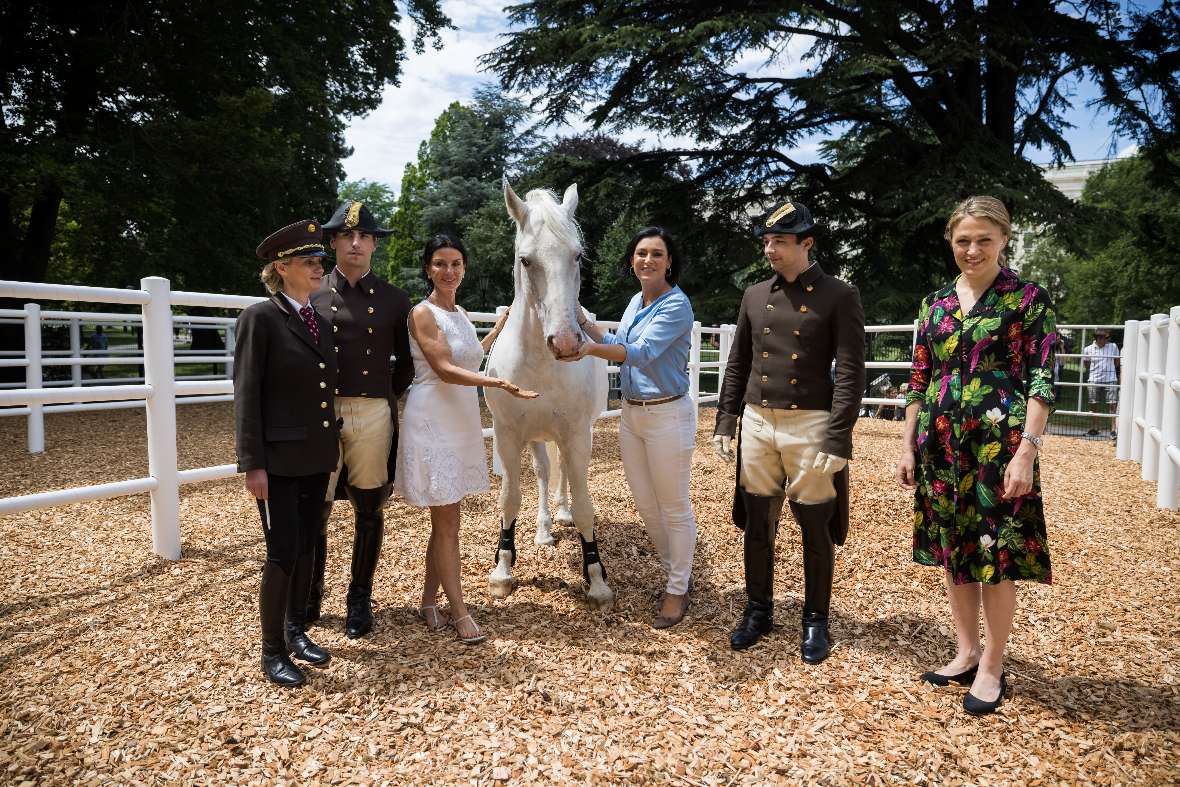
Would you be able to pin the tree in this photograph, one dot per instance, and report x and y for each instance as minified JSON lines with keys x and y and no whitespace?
{"x":178,"y":133}
{"x":1121,"y":260}
{"x":923,"y":102}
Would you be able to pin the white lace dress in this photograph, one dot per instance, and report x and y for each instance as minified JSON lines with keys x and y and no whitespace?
{"x":440,"y":452}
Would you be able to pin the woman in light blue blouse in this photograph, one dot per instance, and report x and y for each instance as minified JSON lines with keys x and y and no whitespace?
{"x":657,"y":434}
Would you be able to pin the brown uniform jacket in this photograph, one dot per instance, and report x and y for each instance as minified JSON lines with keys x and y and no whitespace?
{"x":369,"y":323}
{"x":284,"y":419}
{"x":787,"y":337}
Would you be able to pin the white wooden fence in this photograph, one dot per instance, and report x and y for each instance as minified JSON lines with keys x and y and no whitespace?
{"x":161,"y":391}
{"x":1149,"y":402}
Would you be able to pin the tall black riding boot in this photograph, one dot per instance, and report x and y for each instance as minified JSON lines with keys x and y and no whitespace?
{"x":298,"y":642}
{"x":273,"y":594}
{"x":315,"y":596}
{"x":366,"y":548}
{"x":761,"y":527}
{"x":819,"y":558}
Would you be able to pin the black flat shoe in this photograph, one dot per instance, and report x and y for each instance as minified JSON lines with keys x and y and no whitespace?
{"x":977,"y":707}
{"x":279,"y":670}
{"x":963,"y":678}
{"x":754,"y":625}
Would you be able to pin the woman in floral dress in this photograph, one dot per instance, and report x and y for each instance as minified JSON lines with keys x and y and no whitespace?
{"x":981,"y":389}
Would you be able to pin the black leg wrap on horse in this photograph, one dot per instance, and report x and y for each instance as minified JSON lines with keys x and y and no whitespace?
{"x":590,"y":557}
{"x":507,"y":544}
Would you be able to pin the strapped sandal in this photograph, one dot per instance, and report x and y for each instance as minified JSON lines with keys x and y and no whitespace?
{"x":433,"y":618}
{"x":478,"y":638}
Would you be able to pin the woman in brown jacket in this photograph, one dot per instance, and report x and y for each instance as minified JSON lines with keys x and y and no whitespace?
{"x":286,"y":436}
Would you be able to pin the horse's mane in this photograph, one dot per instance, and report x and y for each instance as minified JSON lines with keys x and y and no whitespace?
{"x":545,"y":203}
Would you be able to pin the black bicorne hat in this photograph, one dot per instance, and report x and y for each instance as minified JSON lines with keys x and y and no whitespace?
{"x":304,"y":238}
{"x":788,"y":218}
{"x":353,"y":215}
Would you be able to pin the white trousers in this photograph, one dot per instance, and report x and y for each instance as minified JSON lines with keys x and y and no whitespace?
{"x":657,"y":444}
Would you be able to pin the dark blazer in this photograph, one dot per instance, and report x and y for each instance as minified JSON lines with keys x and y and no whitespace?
{"x":284,"y":416}
{"x":787,"y":338}
{"x":369,"y":323}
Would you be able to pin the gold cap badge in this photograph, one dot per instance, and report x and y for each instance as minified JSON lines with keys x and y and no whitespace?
{"x":785,"y":210}
{"x":354,"y":215}
{"x":311,"y":228}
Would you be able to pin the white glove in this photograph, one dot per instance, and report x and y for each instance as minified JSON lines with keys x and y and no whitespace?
{"x":828,"y":463}
{"x":723,"y":447}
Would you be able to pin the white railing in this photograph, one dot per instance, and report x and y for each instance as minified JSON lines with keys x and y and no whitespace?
{"x":1149,"y":402}
{"x":161,"y":391}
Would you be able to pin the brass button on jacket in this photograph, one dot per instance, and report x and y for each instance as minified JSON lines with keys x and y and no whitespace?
{"x":790,"y":337}
{"x":371,"y":315}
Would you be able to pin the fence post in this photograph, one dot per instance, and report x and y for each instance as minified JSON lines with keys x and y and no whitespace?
{"x":231,"y":344}
{"x":75,"y":351}
{"x":35,"y":431}
{"x":1143,"y":341}
{"x":724,"y":343}
{"x":1166,"y":492}
{"x":1154,"y":399}
{"x":694,"y":363}
{"x":1126,"y":408}
{"x":160,"y":373}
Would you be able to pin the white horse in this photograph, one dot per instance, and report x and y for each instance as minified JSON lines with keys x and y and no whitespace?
{"x":542,"y":328}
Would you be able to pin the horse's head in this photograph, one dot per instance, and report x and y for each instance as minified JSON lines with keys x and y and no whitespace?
{"x":546,"y":269}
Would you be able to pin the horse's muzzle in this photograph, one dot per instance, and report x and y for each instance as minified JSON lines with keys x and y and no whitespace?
{"x":565,"y":345}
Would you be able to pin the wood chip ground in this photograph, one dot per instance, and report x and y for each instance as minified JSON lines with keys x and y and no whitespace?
{"x":119,"y":667}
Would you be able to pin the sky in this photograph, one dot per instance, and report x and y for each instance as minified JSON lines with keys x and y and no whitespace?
{"x":387,"y":139}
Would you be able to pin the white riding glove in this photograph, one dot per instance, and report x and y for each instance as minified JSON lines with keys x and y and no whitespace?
{"x":723,"y":447}
{"x":829,"y":463}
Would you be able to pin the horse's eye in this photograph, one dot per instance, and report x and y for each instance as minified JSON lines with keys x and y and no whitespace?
{"x":524,"y":261}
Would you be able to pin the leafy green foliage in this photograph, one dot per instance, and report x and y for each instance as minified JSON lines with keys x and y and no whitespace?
{"x":925,"y":102}
{"x":1121,"y":259}
{"x":169,"y":137}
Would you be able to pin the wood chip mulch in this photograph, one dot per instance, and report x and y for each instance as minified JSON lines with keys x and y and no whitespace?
{"x":118,"y":667}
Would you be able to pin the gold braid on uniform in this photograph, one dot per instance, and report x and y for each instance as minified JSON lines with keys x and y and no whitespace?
{"x":304,"y":247}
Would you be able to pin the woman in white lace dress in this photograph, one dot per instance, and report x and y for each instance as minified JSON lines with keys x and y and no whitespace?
{"x":441,"y":456}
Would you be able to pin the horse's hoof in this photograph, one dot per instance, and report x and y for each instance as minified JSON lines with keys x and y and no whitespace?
{"x":544,"y":539}
{"x":501,"y":588}
{"x":600,"y":600}
{"x":564,"y":517}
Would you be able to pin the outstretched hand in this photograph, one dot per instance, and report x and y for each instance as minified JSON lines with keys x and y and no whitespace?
{"x":517,"y":391}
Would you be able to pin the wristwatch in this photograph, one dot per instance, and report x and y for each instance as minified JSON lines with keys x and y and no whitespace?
{"x":1036,"y":440}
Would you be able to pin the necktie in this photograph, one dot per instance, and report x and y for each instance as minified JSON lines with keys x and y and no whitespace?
{"x":308,"y":315}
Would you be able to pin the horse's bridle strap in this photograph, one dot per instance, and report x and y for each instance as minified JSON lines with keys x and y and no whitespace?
{"x":650,"y":402}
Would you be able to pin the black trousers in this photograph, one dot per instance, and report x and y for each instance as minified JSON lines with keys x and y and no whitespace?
{"x":291,"y":517}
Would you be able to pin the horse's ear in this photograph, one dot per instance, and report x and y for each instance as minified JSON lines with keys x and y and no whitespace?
{"x":516,"y":207}
{"x":569,"y":200}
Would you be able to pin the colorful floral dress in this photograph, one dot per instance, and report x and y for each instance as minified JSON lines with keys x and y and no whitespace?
{"x":973,"y":376}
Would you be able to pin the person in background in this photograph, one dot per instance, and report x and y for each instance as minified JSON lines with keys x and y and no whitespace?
{"x":97,"y":341}
{"x":1101,"y":359}
{"x":285,"y":436}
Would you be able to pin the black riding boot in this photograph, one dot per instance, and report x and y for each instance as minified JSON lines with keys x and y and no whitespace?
{"x":272,"y":609}
{"x":761,"y":526}
{"x":819,"y":557}
{"x":298,"y":642}
{"x":366,"y":548}
{"x":315,"y":597}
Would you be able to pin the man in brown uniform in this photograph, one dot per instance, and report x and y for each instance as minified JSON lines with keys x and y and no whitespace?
{"x":368,"y":317}
{"x":797,"y":420}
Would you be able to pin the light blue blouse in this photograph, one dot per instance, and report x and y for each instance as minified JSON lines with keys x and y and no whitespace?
{"x":658,"y":339}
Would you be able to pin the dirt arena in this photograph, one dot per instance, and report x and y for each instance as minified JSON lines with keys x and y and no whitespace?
{"x":118,"y":667}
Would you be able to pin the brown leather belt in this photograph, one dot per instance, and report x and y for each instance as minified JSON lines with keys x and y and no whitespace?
{"x":650,"y":402}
